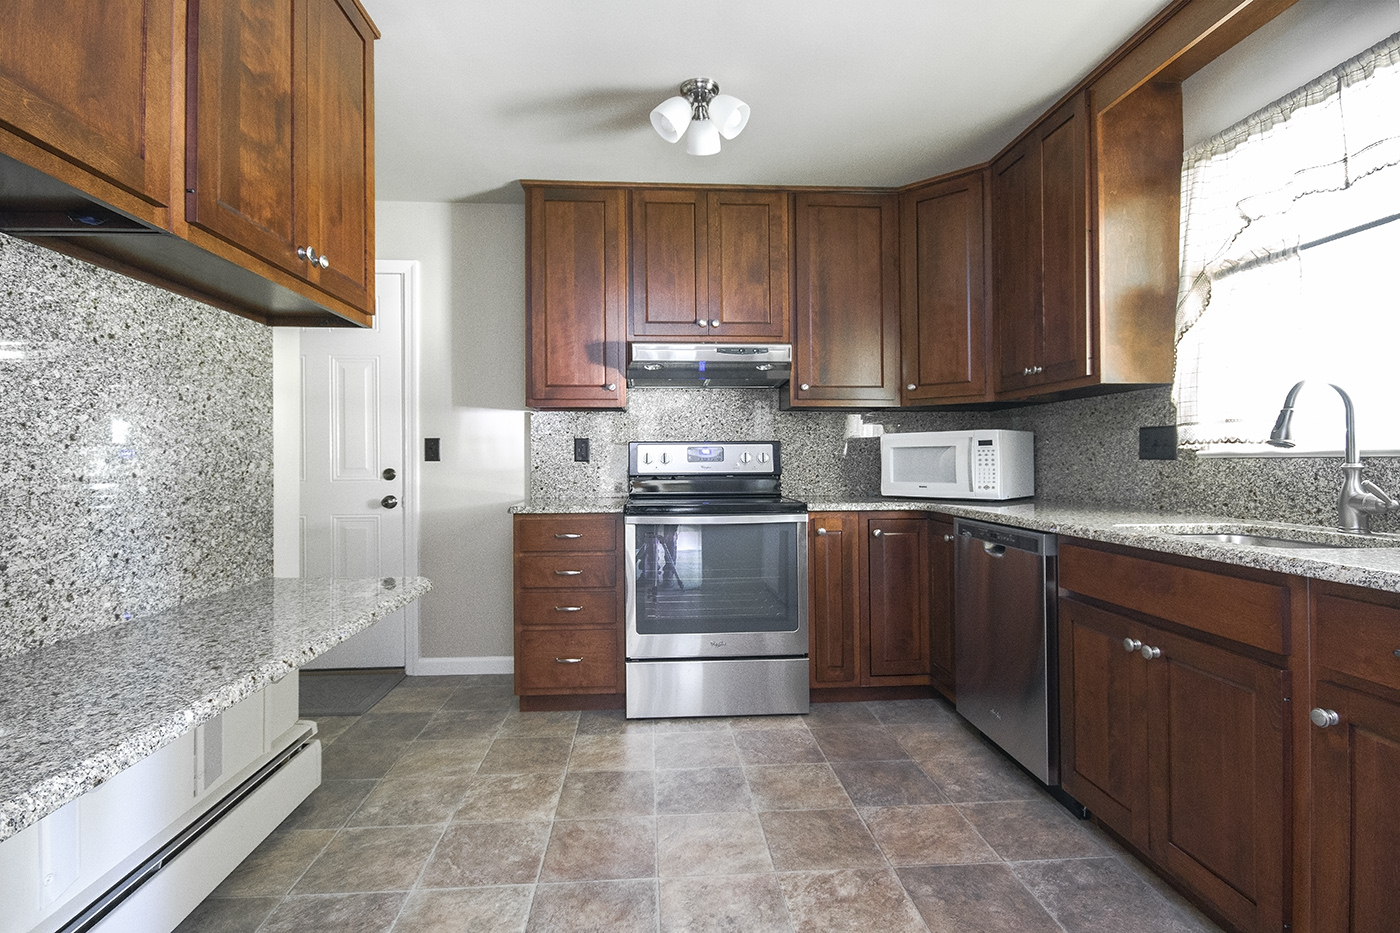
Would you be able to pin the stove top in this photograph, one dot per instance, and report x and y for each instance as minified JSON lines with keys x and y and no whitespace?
{"x":706,"y":478}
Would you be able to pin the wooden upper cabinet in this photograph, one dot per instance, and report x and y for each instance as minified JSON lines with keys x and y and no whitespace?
{"x":709,"y":265}
{"x":576,"y":292}
{"x":1040,"y":255}
{"x":846,"y":300}
{"x":280,"y":143}
{"x":943,"y":318}
{"x":86,"y":96}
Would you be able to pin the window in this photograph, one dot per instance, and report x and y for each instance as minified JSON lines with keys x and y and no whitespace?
{"x":1291,"y":267}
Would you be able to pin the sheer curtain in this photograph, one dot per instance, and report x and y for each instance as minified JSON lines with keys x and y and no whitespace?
{"x":1290,"y":259}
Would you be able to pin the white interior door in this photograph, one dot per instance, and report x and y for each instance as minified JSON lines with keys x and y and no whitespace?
{"x":353,"y":482}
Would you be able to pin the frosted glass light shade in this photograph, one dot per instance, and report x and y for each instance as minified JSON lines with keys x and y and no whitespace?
{"x":671,"y":117}
{"x":703,"y":138}
{"x":730,"y":114}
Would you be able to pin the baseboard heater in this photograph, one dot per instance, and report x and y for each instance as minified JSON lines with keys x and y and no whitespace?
{"x":132,"y":884}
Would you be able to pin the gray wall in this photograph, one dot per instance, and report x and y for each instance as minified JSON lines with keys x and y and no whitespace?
{"x":135,"y":448}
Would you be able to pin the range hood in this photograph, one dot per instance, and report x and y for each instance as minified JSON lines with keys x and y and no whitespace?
{"x":709,"y":365}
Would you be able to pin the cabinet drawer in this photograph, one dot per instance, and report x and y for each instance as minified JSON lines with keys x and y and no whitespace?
{"x":1247,"y":611}
{"x":1358,"y":638}
{"x":566,"y":607}
{"x":583,"y":660}
{"x":566,"y":533}
{"x":570,"y":571}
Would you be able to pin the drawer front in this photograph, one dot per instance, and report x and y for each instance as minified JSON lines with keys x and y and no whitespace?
{"x":1358,"y":638}
{"x":566,"y":532}
{"x":583,"y":660}
{"x":1246,"y":611}
{"x":566,"y":607}
{"x":566,"y":571}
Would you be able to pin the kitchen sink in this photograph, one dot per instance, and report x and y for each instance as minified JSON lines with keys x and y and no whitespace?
{"x":1267,"y":536}
{"x":1260,"y":540}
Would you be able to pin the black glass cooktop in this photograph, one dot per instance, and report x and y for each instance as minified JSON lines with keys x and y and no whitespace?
{"x":717,"y":505}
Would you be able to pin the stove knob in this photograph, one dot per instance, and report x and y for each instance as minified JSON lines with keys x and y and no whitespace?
{"x":763,"y":458}
{"x":745,"y":457}
{"x":646,"y":458}
{"x":665,"y":458}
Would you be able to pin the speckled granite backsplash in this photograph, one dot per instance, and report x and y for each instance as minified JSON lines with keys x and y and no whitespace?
{"x":1086,"y":453}
{"x":137,"y":448}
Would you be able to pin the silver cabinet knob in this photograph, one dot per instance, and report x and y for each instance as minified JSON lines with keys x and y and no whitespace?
{"x":877,"y":532}
{"x":911,"y":387}
{"x":821,"y":531}
{"x":1026,"y":371}
{"x":611,"y":386}
{"x":702,"y":323}
{"x":805,"y":387}
{"x":389,"y":502}
{"x":1396,"y":652}
{"x":714,"y":323}
{"x":1150,"y":653}
{"x":567,"y":660}
{"x":1131,"y":644}
{"x":1322,"y":718}
{"x":950,"y":537}
{"x":1036,"y":370}
{"x":324,"y":261}
{"x":306,"y":252}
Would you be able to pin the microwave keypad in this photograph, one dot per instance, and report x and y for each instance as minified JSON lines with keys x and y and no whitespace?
{"x":984,"y":468}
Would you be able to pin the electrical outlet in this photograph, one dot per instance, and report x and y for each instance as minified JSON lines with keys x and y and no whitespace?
{"x":1157,"y":442}
{"x":581,"y":449}
{"x":432,"y":448}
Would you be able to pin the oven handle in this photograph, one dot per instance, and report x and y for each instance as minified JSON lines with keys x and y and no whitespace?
{"x":796,"y":518}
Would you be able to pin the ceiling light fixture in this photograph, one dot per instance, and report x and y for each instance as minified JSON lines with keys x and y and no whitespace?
{"x":708,"y":113}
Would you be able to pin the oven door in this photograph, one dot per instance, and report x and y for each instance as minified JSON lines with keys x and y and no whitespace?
{"x":716,"y":586}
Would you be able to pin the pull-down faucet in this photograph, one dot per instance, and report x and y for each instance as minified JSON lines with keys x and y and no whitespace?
{"x":1360,"y":498}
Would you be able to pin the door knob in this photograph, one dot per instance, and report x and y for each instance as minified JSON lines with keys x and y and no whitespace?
{"x":389,"y":473}
{"x":1322,"y":718}
{"x":1131,"y":644}
{"x":389,"y":502}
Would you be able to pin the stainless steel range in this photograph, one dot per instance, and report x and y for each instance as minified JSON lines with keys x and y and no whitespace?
{"x":716,"y":582}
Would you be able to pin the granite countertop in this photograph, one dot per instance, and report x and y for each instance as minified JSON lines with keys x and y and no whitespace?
{"x":75,"y":713}
{"x":1376,"y":567}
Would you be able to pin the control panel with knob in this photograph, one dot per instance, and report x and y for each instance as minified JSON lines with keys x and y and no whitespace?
{"x":674,"y":458}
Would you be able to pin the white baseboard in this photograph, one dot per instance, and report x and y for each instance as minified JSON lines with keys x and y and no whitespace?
{"x":437,"y":667}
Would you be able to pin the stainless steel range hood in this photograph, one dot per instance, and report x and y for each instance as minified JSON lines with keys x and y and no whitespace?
{"x":709,"y":365}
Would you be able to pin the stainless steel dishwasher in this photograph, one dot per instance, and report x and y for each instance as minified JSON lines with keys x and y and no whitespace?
{"x":1005,"y":636}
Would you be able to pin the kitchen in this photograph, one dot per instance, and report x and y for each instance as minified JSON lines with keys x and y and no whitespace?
{"x":471,"y":397}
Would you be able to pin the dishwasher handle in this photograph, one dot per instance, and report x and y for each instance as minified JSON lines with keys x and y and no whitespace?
{"x":995,"y":550}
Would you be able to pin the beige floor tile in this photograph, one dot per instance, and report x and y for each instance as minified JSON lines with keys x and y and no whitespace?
{"x":275,"y":865}
{"x":856,"y":900}
{"x":975,"y":899}
{"x":624,"y":752}
{"x":499,"y":909}
{"x":702,"y":790}
{"x":375,"y":859}
{"x":611,"y":722}
{"x":330,"y":728}
{"x":329,"y":805}
{"x":859,"y":743}
{"x":777,"y":747}
{"x":476,"y":854}
{"x":936,"y":835}
{"x":492,"y":798}
{"x":887,"y":783}
{"x":796,"y":787}
{"x":975,"y":780}
{"x":413,"y":700}
{"x":466,"y":725}
{"x":560,"y":724}
{"x":409,"y":801}
{"x":950,"y":739}
{"x":834,"y":715}
{"x":343,"y":913}
{"x":732,"y":904}
{"x":1032,"y":829}
{"x":1100,"y":895}
{"x":359,"y":761}
{"x":711,"y":844}
{"x":696,"y":750}
{"x":511,"y":755}
{"x":598,"y":794}
{"x":228,"y":915}
{"x":594,"y":907}
{"x":374,"y":728}
{"x":458,"y":758}
{"x":891,"y":712}
{"x":815,"y":840}
{"x":600,"y":850}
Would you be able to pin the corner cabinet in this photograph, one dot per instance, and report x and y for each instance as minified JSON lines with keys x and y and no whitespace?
{"x":710,"y":265}
{"x":943,"y":298}
{"x":846,"y":300}
{"x":575,"y":297}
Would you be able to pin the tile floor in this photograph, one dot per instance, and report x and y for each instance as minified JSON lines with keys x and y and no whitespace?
{"x":447,"y":809}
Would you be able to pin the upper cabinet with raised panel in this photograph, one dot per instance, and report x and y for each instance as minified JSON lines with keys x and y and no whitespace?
{"x":846,"y":300}
{"x":943,"y":298}
{"x":709,"y":265}
{"x":220,"y":148}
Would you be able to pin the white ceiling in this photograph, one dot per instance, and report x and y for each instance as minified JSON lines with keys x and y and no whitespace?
{"x":473,"y":95}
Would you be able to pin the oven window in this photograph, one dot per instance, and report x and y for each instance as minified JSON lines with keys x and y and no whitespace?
{"x":706,"y":579}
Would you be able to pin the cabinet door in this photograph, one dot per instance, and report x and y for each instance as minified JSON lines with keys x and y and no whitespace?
{"x":833,"y":549}
{"x":241,"y":146}
{"x":1016,"y":237}
{"x":846,"y":324}
{"x":1217,"y":765}
{"x":750,"y":288}
{"x":1103,"y":725}
{"x":91,"y":81}
{"x":335,"y":135}
{"x":576,"y":254}
{"x":896,"y":594}
{"x":1356,"y":812}
{"x":943,"y":299}
{"x":670,"y":264}
{"x":940,"y":577}
{"x":1063,"y":141}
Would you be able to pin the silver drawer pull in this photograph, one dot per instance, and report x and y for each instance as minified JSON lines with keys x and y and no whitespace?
{"x":948,"y":538}
{"x":567,"y":573}
{"x":1150,"y":652}
{"x":568,"y":608}
{"x":1131,"y":644}
{"x":821,"y":531}
{"x":877,"y":532}
{"x":568,"y":660}
{"x":567,"y":536}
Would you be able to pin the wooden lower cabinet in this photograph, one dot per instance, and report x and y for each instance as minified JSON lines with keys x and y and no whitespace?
{"x":940,"y":607}
{"x":568,"y":610}
{"x":1181,"y":746}
{"x":1355,"y":801}
{"x":868,"y":599}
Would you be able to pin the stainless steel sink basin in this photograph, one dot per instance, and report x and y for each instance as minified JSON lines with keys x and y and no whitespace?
{"x":1248,"y":534}
{"x":1262,"y":541}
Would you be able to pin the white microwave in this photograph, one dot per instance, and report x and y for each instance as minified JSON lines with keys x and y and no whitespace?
{"x":958,"y":465}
